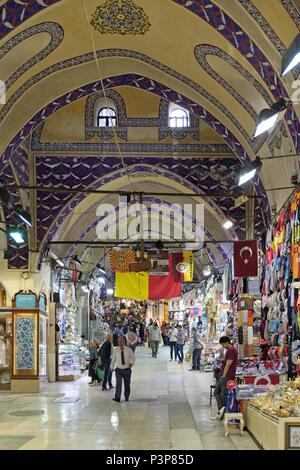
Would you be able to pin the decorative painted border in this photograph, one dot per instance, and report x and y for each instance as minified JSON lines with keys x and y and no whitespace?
{"x":154,"y":87}
{"x":275,"y":140}
{"x":203,"y":50}
{"x":266,"y":27}
{"x":56,"y":34}
{"x":130,"y":54}
{"x":14,"y":12}
{"x":198,"y":175}
{"x":150,"y":200}
{"x":232,"y":32}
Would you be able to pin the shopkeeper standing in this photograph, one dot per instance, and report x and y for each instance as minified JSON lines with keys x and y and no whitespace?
{"x":228,"y":372}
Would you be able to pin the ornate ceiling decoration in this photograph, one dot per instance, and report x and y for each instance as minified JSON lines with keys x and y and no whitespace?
{"x":120,"y":17}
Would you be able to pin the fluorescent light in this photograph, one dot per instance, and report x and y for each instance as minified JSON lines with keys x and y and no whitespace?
{"x":110,"y":291}
{"x":266,"y":125}
{"x":248,"y":172}
{"x":84,"y":288}
{"x":247,"y":176}
{"x":17,"y":236}
{"x":228,"y":224}
{"x":24,"y":216}
{"x":102,"y":271}
{"x":60,"y":262}
{"x":291,"y":57}
{"x":101,"y":280}
{"x":269,"y":116}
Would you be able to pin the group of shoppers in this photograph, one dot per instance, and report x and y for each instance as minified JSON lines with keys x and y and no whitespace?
{"x":121,"y":358}
{"x":109,"y":358}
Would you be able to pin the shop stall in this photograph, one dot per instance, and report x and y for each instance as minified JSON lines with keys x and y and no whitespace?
{"x":23,"y":343}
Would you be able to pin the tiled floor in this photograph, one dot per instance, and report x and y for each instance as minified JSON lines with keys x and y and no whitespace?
{"x":169,"y":409}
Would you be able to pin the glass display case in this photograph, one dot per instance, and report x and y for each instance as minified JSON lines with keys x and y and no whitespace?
{"x":68,"y":362}
{"x":5,"y":350}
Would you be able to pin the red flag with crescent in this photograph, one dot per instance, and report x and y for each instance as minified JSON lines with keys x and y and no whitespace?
{"x":245,"y":256}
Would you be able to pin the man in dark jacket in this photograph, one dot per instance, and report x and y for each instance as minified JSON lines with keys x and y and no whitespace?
{"x":105,"y":357}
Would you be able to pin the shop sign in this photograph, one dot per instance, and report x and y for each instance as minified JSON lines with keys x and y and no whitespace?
{"x":25,"y":301}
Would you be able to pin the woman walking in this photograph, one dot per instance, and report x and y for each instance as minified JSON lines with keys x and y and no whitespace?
{"x":93,"y":361}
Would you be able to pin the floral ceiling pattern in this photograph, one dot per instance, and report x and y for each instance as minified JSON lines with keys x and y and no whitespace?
{"x":120,"y":17}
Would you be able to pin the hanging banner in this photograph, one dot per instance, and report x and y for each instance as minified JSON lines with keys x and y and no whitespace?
{"x":119,"y":261}
{"x":183,"y":266}
{"x":245,"y":256}
{"x":144,"y":286}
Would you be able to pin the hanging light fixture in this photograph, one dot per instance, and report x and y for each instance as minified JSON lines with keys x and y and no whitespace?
{"x":269,"y":116}
{"x":248,"y":172}
{"x":291,"y":58}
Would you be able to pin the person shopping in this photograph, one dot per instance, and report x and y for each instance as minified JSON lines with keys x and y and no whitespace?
{"x":180,"y":338}
{"x":172,"y":342}
{"x":105,"y":358}
{"x":155,"y":339}
{"x":228,"y":372}
{"x":197,"y":348}
{"x":122,"y":361}
{"x":93,"y":361}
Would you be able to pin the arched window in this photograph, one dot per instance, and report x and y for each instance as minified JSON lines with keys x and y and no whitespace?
{"x":178,"y":117}
{"x":107,"y":117}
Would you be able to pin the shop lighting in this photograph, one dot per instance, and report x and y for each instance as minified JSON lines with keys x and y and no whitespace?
{"x":101,"y":280}
{"x":248,"y":172}
{"x":17,"y":235}
{"x":110,"y":291}
{"x":84,"y":288}
{"x":60,"y":263}
{"x":269,"y":116}
{"x":24,"y":216}
{"x":228,"y":224}
{"x":207,"y":271}
{"x":291,"y":58}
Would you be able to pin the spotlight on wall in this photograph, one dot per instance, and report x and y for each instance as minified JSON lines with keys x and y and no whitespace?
{"x":291,"y":58}
{"x":206,"y":271}
{"x":17,"y":235}
{"x":269,"y":116}
{"x":228,"y":224}
{"x":24,"y":216}
{"x":248,"y":172}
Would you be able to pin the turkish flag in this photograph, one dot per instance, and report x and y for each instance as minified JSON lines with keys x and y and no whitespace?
{"x":245,"y":256}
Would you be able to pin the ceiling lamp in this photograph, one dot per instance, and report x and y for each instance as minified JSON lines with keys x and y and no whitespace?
{"x":24,"y":216}
{"x":269,"y":116}
{"x":248,"y":172}
{"x":291,"y":58}
{"x":206,"y":271}
{"x":17,"y":234}
{"x":228,"y":224}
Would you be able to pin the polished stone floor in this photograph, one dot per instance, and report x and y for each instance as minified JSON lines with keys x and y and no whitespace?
{"x":169,"y":409}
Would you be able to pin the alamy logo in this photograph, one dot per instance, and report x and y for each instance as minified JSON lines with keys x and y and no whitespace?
{"x":155,"y":221}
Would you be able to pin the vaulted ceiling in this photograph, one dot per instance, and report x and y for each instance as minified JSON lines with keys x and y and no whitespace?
{"x":220,"y":60}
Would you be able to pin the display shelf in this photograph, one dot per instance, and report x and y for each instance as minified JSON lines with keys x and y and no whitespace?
{"x":268,"y":430}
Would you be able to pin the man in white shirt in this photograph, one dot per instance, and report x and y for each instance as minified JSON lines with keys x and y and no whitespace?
{"x":122,"y":361}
